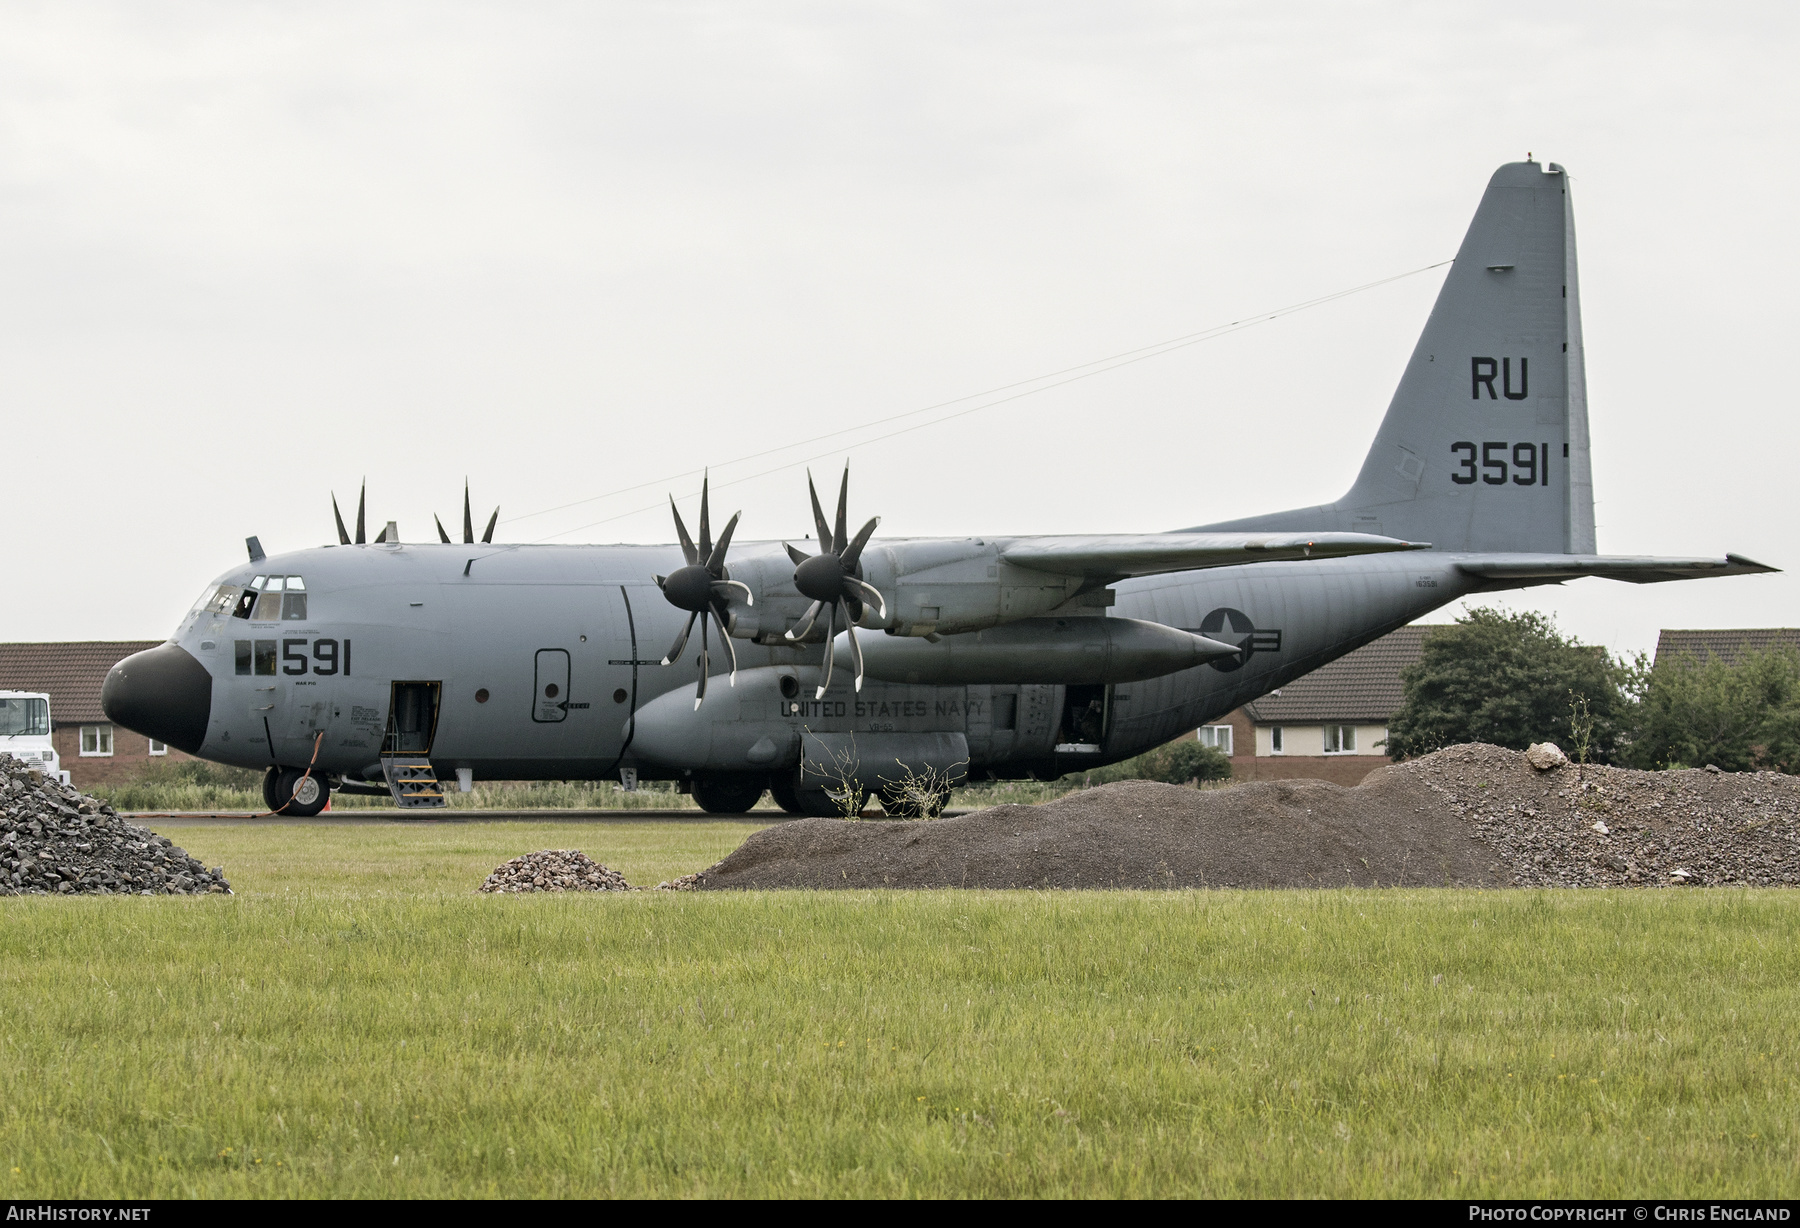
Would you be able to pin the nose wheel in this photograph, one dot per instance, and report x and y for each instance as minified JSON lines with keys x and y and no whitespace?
{"x":304,"y":795}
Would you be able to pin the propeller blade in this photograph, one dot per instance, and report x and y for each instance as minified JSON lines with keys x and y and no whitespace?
{"x":727,"y":586}
{"x":869,"y":594}
{"x":361,"y":495}
{"x":854,"y":554}
{"x":818,"y":516}
{"x":705,"y":529}
{"x":842,"y":535}
{"x":807,"y":620}
{"x":799,"y":556}
{"x":488,"y":537}
{"x":705,"y":655}
{"x":830,"y":634}
{"x":715,"y":562}
{"x":687,"y":543}
{"x":468,"y":523}
{"x":661,"y":581}
{"x":730,"y":648}
{"x":855,"y":655}
{"x":381,"y":536}
{"x":443,"y":536}
{"x":343,"y":533}
{"x":680,"y":642}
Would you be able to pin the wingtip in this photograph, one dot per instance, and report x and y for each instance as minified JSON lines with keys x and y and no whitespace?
{"x":1738,"y":560}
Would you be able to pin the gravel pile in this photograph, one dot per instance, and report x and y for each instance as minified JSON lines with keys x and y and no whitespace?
{"x":55,"y":840}
{"x":554,"y":870}
{"x":1611,"y":827}
{"x":1466,"y":816}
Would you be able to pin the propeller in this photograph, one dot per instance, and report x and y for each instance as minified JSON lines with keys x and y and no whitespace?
{"x":702,"y":588}
{"x":487,"y":537}
{"x":833,"y":578}
{"x":344,"y":534}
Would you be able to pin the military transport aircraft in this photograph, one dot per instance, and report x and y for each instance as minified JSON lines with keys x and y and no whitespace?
{"x":862,"y":660}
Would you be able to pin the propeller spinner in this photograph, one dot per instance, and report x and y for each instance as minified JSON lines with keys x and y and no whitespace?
{"x":832,"y":579}
{"x":702,"y":588}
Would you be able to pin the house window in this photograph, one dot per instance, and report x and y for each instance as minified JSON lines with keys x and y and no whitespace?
{"x":1217,"y":736}
{"x":96,"y":739}
{"x":1275,"y":739}
{"x":1340,"y":739}
{"x":158,"y":748}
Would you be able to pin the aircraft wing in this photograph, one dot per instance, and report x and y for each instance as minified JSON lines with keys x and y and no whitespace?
{"x":1634,"y":569}
{"x":1150,"y":554}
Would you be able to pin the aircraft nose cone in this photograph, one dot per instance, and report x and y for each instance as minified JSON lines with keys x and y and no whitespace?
{"x":162,"y":693}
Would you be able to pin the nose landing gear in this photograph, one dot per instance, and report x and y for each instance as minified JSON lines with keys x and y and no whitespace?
{"x":292,"y":793}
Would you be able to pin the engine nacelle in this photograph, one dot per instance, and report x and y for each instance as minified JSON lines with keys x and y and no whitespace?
{"x":932,"y":587}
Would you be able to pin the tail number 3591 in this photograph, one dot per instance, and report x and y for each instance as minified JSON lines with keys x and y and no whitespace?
{"x":1524,"y":464}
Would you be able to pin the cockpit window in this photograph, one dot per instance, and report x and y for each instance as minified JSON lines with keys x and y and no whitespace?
{"x":225,"y":601}
{"x":272,"y":598}
{"x":24,"y":718}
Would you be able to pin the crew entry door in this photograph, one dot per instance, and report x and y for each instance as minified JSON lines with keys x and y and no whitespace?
{"x":550,"y":702}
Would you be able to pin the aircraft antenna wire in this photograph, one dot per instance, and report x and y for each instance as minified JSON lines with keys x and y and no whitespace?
{"x":1043,"y":383}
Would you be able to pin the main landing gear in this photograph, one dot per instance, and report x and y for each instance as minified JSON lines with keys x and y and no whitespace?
{"x":728,"y":792}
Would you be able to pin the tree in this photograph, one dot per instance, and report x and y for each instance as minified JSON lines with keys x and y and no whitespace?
{"x":1511,"y":679}
{"x":1738,"y":715}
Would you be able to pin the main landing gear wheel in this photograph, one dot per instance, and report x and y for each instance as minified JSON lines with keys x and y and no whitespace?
{"x":781,"y":788}
{"x":727,"y":794}
{"x":802,"y":799}
{"x":270,"y":800}
{"x":305,"y":795}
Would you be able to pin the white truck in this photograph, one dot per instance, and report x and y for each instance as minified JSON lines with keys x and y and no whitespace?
{"x":25,"y":732}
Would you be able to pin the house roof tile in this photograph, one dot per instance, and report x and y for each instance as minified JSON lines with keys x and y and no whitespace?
{"x":1360,"y":686}
{"x":1728,"y":644}
{"x":70,"y":673}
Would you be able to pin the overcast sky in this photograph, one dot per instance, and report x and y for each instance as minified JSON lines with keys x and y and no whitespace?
{"x":250,"y":254}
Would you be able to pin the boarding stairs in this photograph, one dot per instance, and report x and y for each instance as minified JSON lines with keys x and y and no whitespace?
{"x":413,"y":782}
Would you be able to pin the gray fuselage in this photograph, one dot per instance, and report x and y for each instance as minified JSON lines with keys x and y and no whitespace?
{"x":496,"y":634}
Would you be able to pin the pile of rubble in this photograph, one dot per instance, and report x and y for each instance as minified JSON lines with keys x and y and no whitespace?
{"x":1550,"y":823}
{"x":554,"y":870}
{"x":1471,"y":815}
{"x":55,"y":840}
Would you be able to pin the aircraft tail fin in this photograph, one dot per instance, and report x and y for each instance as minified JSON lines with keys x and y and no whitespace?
{"x":1485,"y":444}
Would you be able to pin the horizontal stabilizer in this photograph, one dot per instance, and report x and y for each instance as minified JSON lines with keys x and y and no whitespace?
{"x":1151,"y":554}
{"x":1634,"y":569}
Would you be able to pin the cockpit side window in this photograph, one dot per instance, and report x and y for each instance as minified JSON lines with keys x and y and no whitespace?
{"x":224,"y":601}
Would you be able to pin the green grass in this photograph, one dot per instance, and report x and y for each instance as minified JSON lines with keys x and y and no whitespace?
{"x":357,"y":1022}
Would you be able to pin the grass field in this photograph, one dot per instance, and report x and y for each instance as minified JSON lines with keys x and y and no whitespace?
{"x":357,"y":1022}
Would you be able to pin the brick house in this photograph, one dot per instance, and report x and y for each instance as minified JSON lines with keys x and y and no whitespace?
{"x":93,"y":750}
{"x":1328,"y":725}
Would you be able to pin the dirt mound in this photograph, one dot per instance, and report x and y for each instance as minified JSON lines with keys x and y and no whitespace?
{"x":55,"y":840}
{"x":1466,"y":816}
{"x":554,"y":870}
